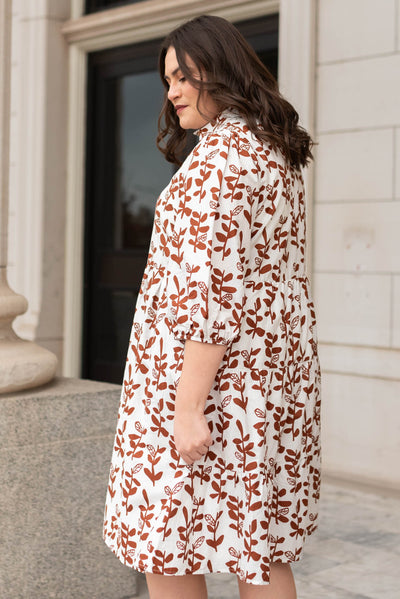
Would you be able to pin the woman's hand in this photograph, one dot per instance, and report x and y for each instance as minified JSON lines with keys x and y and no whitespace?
{"x":191,"y":434}
{"x":200,"y":365}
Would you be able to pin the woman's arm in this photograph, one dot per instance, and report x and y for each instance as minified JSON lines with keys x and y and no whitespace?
{"x":200,"y":365}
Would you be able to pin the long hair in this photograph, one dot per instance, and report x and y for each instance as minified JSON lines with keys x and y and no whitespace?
{"x":235,"y":78}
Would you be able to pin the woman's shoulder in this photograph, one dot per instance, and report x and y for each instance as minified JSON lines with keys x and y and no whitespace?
{"x":227,"y":131}
{"x":227,"y":123}
{"x":232,"y":124}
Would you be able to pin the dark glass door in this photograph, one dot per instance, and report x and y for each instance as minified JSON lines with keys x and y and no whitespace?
{"x":125,"y":174}
{"x":95,"y":5}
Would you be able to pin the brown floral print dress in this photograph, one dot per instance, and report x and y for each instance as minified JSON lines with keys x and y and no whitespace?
{"x":225,"y":266}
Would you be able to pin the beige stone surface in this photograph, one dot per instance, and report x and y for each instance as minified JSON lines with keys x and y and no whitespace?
{"x":358,"y":237}
{"x":398,"y":28}
{"x":355,"y":165}
{"x":346,"y":99}
{"x":55,"y":454}
{"x":24,"y":365}
{"x":353,"y":309}
{"x":356,"y":242}
{"x":38,"y":149}
{"x":360,"y":428}
{"x":397,"y":164}
{"x":56,"y":346}
{"x":46,"y":9}
{"x":396,"y":312}
{"x":375,"y":362}
{"x":355,"y":28}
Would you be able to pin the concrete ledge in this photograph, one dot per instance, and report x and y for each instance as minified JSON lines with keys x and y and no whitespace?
{"x":55,"y":455}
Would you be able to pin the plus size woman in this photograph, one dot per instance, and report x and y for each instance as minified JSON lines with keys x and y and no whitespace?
{"x":216,"y":461}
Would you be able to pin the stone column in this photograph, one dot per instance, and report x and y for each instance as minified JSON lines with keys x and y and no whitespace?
{"x":23,"y":364}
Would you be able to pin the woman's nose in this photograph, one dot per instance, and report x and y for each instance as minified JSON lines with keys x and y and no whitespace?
{"x":173,"y":92}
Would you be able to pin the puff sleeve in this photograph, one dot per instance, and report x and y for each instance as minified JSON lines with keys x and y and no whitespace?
{"x":210,"y":244}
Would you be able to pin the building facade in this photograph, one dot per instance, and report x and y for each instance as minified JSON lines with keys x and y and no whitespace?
{"x":338,"y":61}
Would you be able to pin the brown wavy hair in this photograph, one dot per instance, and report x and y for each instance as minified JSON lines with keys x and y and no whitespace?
{"x":235,"y":78}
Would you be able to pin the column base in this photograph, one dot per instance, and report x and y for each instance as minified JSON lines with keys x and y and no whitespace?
{"x":24,"y":365}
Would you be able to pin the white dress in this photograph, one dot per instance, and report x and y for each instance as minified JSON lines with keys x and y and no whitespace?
{"x":225,"y":266}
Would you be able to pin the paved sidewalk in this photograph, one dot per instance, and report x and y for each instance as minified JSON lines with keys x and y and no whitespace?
{"x":355,"y":554}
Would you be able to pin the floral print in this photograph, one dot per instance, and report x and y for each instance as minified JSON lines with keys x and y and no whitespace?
{"x":225,"y":266}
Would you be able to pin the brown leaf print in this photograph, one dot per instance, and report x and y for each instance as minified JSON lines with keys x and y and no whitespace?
{"x":225,"y":266}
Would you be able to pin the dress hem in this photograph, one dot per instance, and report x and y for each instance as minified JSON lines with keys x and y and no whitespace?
{"x":226,"y":570}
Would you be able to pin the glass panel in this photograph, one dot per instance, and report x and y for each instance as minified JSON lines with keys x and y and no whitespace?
{"x":94,"y":5}
{"x":142,"y":171}
{"x":114,"y":311}
{"x":135,"y":172}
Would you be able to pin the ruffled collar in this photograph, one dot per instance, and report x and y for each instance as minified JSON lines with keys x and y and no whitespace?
{"x":227,"y":114}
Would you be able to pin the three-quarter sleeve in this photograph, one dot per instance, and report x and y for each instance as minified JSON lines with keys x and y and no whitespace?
{"x":211,"y":238}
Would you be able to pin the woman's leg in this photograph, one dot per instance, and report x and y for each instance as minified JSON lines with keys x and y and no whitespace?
{"x":188,"y":586}
{"x":281,"y":585}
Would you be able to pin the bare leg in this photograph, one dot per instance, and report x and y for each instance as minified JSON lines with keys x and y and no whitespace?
{"x":189,"y":586}
{"x":281,"y":585}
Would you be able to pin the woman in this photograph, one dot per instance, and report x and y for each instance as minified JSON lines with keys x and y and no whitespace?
{"x":216,"y":458}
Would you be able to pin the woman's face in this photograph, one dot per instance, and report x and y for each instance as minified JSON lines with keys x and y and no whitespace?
{"x":184,"y":96}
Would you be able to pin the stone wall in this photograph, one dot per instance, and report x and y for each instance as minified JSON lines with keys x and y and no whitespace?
{"x":55,"y":455}
{"x":356,"y":238}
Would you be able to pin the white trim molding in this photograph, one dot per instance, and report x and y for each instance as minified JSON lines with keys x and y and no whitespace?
{"x":77,"y":9}
{"x":153,"y":19}
{"x":73,"y":295}
{"x":150,"y":20}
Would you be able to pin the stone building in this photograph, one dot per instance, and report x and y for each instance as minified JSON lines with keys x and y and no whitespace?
{"x":84,"y":100}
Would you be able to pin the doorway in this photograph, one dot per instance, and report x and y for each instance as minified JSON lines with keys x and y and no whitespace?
{"x":124,"y":176}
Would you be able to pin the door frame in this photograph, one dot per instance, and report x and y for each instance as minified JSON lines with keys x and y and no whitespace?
{"x":150,"y":20}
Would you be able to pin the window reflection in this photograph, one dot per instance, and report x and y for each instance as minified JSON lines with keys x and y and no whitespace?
{"x":142,"y":171}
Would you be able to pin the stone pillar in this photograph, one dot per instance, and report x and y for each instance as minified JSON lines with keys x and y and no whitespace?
{"x":297,"y":63}
{"x":23,"y":364}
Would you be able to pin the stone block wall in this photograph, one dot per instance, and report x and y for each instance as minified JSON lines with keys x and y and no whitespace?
{"x":356,"y":236}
